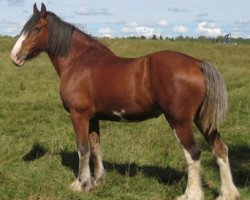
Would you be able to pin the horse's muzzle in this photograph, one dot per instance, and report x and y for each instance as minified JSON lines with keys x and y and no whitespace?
{"x":18,"y":59}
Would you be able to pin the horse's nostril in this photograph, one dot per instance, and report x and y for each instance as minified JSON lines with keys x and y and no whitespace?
{"x":21,"y":57}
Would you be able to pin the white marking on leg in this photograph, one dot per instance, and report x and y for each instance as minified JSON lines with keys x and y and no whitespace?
{"x":17,"y":48}
{"x":84,"y":181}
{"x":177,"y":138}
{"x":84,"y":167}
{"x":228,"y":189}
{"x":194,"y":189}
{"x":96,"y":152}
{"x":98,"y":156}
{"x":99,"y":170}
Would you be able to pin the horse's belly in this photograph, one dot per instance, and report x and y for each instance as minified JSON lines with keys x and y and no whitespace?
{"x":123,"y":116}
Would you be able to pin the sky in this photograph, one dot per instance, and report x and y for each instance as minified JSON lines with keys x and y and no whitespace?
{"x":113,"y":18}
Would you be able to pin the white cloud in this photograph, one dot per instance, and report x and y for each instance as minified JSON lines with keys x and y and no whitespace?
{"x":11,"y":29}
{"x":163,"y":23}
{"x":177,"y":10}
{"x":83,"y":10}
{"x":139,"y":30}
{"x":107,"y":35}
{"x":235,"y":34}
{"x":146,"y":31}
{"x":210,"y":29}
{"x":106,"y":32}
{"x":180,"y":29}
{"x":242,"y":21}
{"x":115,"y":21}
{"x":127,"y":30}
{"x":16,"y":2}
{"x":132,"y":24}
{"x":202,"y":15}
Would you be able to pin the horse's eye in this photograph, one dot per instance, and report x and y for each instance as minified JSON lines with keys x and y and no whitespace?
{"x":37,"y":29}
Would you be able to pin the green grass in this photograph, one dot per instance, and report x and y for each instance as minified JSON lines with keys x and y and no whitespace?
{"x":38,"y":158}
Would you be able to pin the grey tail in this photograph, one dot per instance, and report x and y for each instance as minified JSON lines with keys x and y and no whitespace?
{"x":215,"y":104}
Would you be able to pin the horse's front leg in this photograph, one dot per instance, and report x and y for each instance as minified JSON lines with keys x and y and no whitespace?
{"x":80,"y":121}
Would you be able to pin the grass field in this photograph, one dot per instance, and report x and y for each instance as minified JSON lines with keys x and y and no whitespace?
{"x":38,"y":158}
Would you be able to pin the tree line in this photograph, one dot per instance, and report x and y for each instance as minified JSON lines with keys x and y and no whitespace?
{"x":204,"y":39}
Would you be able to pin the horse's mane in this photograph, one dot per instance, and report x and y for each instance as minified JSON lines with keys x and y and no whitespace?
{"x":60,"y":33}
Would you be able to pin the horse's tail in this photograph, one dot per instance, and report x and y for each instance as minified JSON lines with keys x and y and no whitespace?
{"x":214,"y":106}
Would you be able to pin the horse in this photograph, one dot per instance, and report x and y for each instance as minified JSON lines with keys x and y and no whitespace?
{"x":96,"y":84}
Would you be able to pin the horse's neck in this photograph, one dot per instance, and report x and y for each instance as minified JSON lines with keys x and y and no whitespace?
{"x":79,"y":46}
{"x":58,"y":64}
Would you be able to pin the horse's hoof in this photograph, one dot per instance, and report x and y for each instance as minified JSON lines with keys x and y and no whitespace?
{"x":98,"y":178}
{"x":182,"y":197}
{"x":232,"y":194}
{"x":231,"y":197}
{"x":77,"y":186}
{"x":96,"y":182}
{"x":190,"y":197}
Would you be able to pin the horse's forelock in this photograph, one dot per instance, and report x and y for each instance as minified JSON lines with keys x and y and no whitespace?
{"x":31,"y":23}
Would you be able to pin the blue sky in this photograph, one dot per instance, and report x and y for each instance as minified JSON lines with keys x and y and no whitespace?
{"x":115,"y":18}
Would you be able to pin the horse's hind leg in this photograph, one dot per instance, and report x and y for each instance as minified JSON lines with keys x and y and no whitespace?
{"x":96,"y":151}
{"x":220,"y":151}
{"x":192,"y":153}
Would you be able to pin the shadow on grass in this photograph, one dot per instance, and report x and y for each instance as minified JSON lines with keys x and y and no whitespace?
{"x":167,"y":176}
{"x":240,"y":164}
{"x":239,"y":161}
{"x":36,"y":152}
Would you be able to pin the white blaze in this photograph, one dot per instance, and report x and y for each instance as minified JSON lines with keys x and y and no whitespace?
{"x":16,"y":49}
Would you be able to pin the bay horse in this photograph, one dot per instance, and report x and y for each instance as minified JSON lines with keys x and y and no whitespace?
{"x":95,"y":85}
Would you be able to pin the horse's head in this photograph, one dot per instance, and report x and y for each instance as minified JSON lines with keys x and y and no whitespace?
{"x":34,"y":37}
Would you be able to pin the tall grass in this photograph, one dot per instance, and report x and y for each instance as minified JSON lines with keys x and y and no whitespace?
{"x":38,"y":158}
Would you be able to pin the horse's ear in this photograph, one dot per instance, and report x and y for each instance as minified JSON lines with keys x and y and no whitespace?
{"x":43,"y":11}
{"x":35,"y":10}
